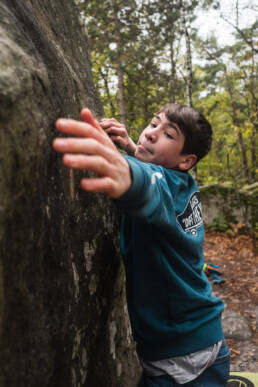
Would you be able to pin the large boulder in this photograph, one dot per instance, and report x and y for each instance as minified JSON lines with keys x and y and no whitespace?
{"x":225,"y":204}
{"x":63,"y":320}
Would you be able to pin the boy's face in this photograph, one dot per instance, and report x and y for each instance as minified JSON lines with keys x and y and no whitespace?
{"x":161,"y":143}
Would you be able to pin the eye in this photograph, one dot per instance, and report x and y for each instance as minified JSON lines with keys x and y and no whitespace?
{"x":153,"y":125}
{"x":168,"y":135}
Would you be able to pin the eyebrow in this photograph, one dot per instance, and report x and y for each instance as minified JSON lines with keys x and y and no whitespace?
{"x":171,"y":124}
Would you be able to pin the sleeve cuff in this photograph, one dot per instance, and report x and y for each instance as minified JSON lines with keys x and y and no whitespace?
{"x":135,"y":192}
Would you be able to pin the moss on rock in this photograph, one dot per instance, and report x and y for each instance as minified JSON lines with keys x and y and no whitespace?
{"x":232,"y":204}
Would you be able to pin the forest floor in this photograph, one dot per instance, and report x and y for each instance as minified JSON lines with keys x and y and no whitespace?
{"x":236,"y":257}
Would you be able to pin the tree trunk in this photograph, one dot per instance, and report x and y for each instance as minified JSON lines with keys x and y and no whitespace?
{"x":112,"y":107}
{"x":189,"y":69}
{"x":120,"y":73}
{"x":173,"y":70}
{"x":121,"y":89}
{"x":235,"y":117}
{"x":243,"y":152}
{"x":63,"y":320}
{"x":237,"y":125}
{"x":253,"y":144}
{"x":254,"y":117}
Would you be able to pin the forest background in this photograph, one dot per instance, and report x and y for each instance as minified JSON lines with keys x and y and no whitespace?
{"x":147,"y":53}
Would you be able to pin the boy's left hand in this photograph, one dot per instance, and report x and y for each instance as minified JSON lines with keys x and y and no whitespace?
{"x":93,"y":150}
{"x":118,"y":134}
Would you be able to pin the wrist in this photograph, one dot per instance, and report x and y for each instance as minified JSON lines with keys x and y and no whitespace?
{"x":131,"y":147}
{"x":124,"y":181}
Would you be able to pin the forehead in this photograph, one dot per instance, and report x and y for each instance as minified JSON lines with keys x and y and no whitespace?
{"x":163,"y":119}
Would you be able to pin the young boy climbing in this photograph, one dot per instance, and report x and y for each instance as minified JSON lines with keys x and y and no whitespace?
{"x":175,"y":319}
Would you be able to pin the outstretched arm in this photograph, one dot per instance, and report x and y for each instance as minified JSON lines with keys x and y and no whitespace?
{"x":91,"y":149}
{"x":118,"y":134}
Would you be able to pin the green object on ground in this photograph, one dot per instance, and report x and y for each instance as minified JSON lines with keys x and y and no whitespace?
{"x":243,"y":379}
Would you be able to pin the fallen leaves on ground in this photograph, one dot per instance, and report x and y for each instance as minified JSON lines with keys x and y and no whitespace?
{"x":235,"y":255}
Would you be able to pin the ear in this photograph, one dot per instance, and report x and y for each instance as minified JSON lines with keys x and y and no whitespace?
{"x":187,"y":162}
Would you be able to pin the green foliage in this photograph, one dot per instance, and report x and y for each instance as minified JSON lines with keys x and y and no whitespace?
{"x":219,"y":224}
{"x":230,"y":104}
{"x":145,"y":39}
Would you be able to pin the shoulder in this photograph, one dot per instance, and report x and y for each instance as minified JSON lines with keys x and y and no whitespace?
{"x":147,"y":173}
{"x":180,"y":181}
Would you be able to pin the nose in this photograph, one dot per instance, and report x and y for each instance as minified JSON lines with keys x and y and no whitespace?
{"x":151,"y":134}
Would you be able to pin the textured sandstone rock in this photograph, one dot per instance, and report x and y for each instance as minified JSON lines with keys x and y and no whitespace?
{"x":231,"y":204}
{"x":62,"y":317}
{"x":235,"y":326}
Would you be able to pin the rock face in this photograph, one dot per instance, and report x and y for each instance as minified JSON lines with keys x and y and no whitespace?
{"x":231,"y":204}
{"x":235,"y":326}
{"x":62,"y":315}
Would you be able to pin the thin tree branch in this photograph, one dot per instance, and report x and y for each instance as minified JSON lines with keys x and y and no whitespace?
{"x":249,"y":42}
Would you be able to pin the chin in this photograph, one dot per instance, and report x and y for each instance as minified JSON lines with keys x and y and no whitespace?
{"x":140,"y":157}
{"x":137,"y":155}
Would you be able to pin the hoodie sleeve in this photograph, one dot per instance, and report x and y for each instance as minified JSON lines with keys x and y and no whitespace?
{"x":149,"y":199}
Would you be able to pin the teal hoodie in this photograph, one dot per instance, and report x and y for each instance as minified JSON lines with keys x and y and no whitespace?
{"x":170,"y":302}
